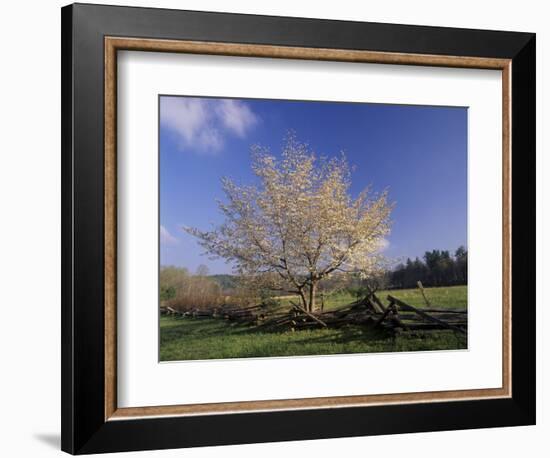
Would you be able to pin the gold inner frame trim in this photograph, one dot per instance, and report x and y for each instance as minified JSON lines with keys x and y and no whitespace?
{"x":114,"y":44}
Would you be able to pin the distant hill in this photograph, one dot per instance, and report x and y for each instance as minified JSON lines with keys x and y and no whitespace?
{"x":226,"y":281}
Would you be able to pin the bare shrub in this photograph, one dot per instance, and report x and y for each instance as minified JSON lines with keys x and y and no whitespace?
{"x":184,"y":292}
{"x":197,"y":292}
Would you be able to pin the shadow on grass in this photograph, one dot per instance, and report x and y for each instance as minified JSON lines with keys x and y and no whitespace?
{"x":200,"y":328}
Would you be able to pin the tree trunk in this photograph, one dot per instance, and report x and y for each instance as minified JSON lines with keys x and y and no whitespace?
{"x":303,"y":299}
{"x":312,"y":291}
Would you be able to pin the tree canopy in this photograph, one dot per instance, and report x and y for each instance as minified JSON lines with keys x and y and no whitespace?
{"x":299,"y":224}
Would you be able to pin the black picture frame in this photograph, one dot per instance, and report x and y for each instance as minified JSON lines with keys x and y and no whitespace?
{"x":84,"y":429}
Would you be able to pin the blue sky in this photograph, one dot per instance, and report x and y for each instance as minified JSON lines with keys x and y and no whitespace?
{"x":418,"y":153}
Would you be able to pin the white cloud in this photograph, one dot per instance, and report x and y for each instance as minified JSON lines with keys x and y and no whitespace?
{"x":236,"y":116}
{"x":202,"y":124}
{"x":166,"y":238}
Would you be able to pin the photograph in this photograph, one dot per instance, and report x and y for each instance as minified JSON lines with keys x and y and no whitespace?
{"x":301,"y":228}
{"x":278,"y":226}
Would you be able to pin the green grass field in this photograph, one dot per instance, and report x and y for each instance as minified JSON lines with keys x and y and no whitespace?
{"x":188,"y":338}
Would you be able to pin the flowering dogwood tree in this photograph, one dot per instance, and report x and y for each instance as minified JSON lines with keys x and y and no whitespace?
{"x":299,"y":225}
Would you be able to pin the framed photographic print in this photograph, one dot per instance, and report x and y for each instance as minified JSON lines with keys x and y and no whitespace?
{"x":281,"y":228}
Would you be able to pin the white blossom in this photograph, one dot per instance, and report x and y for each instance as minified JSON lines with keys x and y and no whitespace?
{"x":300,"y":224}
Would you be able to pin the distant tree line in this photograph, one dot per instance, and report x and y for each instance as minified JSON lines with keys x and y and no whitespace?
{"x":436,"y":268}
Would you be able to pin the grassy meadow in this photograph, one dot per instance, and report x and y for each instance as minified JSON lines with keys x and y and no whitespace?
{"x":210,"y":338}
